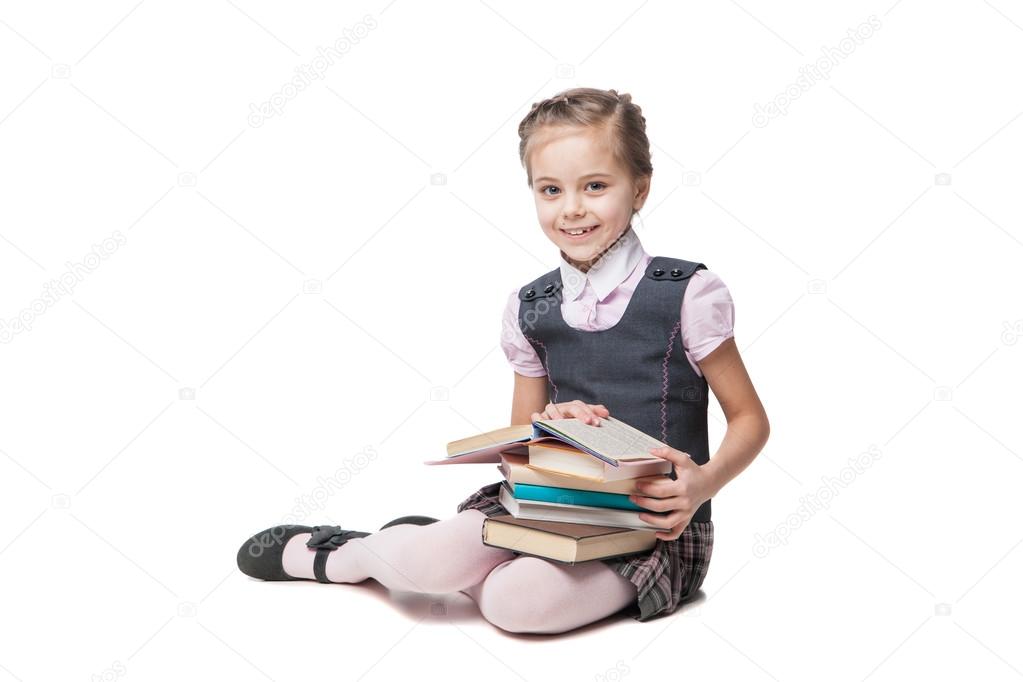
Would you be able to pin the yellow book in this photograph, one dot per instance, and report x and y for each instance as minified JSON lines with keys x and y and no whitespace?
{"x":516,"y":467}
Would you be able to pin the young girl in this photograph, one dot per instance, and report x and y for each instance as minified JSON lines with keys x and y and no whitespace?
{"x":611,"y":331}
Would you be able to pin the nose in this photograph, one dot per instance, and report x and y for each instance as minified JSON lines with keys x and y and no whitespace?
{"x":573,"y":207}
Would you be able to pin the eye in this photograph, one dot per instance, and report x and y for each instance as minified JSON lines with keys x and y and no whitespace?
{"x":602,"y":185}
{"x":547,"y":187}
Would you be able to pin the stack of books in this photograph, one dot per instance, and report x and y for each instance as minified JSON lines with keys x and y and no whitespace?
{"x":566,"y":486}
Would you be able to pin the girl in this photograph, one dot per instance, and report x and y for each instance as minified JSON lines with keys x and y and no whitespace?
{"x":611,"y":331}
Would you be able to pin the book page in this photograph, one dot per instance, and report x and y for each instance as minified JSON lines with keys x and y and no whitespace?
{"x":503,"y":436}
{"x":613,"y":438}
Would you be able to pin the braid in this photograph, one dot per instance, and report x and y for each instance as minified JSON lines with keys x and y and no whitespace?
{"x":592,"y":107}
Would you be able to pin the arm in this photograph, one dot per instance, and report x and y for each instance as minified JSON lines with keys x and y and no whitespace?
{"x":530,"y":402}
{"x":530,"y":396}
{"x":747,"y":432}
{"x":748,"y":427}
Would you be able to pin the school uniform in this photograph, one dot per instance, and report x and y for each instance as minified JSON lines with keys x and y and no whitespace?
{"x":628,"y":334}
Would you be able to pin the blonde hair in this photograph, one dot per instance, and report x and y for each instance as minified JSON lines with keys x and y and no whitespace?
{"x":615,"y":113}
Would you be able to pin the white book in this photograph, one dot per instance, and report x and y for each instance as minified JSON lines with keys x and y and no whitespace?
{"x":573,"y":513}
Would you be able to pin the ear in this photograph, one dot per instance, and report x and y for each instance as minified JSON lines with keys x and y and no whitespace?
{"x":642,"y":192}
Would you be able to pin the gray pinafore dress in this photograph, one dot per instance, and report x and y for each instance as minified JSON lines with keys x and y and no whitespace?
{"x":639,"y":371}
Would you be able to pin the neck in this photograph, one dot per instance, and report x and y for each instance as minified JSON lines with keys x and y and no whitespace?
{"x":586,"y":265}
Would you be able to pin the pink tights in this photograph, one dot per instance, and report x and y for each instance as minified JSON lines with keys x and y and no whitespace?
{"x":514,"y":592}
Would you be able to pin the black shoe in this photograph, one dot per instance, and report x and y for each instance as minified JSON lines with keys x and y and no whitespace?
{"x":415,"y":520}
{"x":260,"y":555}
{"x":325,"y":540}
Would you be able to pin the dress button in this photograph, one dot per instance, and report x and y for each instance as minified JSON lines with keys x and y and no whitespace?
{"x":530,"y":293}
{"x":676,"y":273}
{"x":548,"y":289}
{"x":658,"y":272}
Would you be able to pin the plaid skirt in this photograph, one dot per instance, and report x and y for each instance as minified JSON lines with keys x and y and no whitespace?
{"x":666,"y":576}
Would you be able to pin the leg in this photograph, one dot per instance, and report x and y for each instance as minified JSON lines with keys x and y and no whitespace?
{"x":529,"y":594}
{"x":445,"y":556}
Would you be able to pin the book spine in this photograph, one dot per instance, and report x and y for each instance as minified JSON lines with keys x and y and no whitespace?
{"x":589,"y":498}
{"x":571,"y":563}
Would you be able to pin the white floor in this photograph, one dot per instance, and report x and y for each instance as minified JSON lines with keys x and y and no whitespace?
{"x":830,"y":603}
{"x":221,"y":284}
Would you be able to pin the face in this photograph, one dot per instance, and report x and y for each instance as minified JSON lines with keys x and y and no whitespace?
{"x":577,"y":183}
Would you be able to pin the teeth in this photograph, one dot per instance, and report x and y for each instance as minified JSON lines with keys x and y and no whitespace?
{"x":578,"y":232}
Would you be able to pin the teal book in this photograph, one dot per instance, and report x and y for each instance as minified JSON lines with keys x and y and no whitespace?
{"x":588,"y":498}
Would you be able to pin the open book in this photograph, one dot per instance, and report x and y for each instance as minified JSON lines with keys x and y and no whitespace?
{"x":613,"y":442}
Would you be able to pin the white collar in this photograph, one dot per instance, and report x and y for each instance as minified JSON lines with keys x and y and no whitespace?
{"x":613,"y":268}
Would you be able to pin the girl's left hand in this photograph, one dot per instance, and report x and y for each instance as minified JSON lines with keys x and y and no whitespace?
{"x":682,"y":497}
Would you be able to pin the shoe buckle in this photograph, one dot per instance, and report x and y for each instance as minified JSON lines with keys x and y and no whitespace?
{"x":326,"y":536}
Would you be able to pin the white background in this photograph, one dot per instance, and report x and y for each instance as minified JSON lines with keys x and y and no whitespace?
{"x":870,"y":236}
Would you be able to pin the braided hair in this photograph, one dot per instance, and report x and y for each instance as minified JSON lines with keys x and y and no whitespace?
{"x":614,"y":113}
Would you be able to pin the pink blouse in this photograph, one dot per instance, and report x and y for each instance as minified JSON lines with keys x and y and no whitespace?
{"x":597,"y":300}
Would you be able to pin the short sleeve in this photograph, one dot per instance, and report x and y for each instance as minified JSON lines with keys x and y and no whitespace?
{"x":708,"y":314}
{"x":521,"y":355}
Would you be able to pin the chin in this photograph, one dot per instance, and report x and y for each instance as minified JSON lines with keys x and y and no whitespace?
{"x":581,"y":253}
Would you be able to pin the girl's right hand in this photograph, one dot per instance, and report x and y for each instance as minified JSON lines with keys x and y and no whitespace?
{"x":588,"y":414}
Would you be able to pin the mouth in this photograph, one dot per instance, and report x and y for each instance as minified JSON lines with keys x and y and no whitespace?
{"x":578,"y":233}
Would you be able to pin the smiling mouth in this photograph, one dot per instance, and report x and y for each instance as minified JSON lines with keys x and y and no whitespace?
{"x":575,"y":232}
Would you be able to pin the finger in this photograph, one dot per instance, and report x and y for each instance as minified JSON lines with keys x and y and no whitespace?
{"x":579,"y":411}
{"x":597,"y":412}
{"x":677,"y":517}
{"x":656,"y":488}
{"x":679,"y":529}
{"x":575,"y":408}
{"x":593,"y":413}
{"x":554,"y":411}
{"x":661,"y":521}
{"x":658,"y":504}
{"x":664,"y":521}
{"x":672,"y":455}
